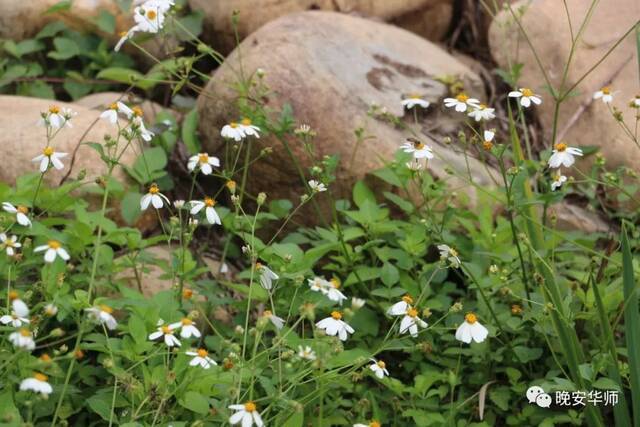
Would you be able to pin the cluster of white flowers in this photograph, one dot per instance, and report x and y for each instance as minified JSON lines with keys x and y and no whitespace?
{"x":240,"y":130}
{"x":149,"y":17}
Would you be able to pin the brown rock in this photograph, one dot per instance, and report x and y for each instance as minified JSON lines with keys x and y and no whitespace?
{"x":330,"y":68}
{"x":582,"y":121}
{"x":21,"y":19}
{"x":428,"y":18}
{"x":22,"y":139}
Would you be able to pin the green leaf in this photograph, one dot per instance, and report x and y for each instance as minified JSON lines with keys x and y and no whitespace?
{"x":149,"y":166}
{"x":631,"y":324}
{"x":119,"y":74}
{"x":65,"y":48}
{"x":51,"y":29}
{"x":61,"y":6}
{"x":137,"y":329}
{"x":195,"y":402}
{"x":389,"y":274}
{"x":130,"y":207}
{"x":101,"y":405}
{"x":106,"y":22}
{"x":362,"y":193}
{"x":526,"y":354}
{"x":295,"y":420}
{"x":190,"y":132}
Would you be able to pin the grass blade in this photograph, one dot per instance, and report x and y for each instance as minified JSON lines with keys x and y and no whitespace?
{"x":631,"y":325}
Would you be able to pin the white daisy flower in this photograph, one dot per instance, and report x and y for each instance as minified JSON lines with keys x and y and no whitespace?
{"x":317,"y":187}
{"x":400,"y":308}
{"x":558,"y":180}
{"x":104,"y":315}
{"x":526,"y":96}
{"x":111,"y":113}
{"x":53,"y":249}
{"x":266,"y":276}
{"x":187,"y":328}
{"x":249,"y":129}
{"x":411,"y":321}
{"x":49,"y":157}
{"x":165,"y":332}
{"x":50,"y":310}
{"x":379,"y":368}
{"x":371,"y":424}
{"x":149,"y":18}
{"x":14,"y":319}
{"x":154,"y":197}
{"x":204,"y":162}
{"x":449,"y":254}
{"x":471,"y":329}
{"x":210,"y":212}
{"x":605,"y":94}
{"x":318,"y":284}
{"x":482,"y":112}
{"x":38,"y":383}
{"x":278,"y":322}
{"x":20,"y":211}
{"x":19,"y":307}
{"x":357,"y":303}
{"x":306,"y":353}
{"x":22,"y":339}
{"x":178,"y":204}
{"x":201,"y":358}
{"x":233,"y":131}
{"x":332,"y":291}
{"x":334,"y":325}
{"x":246,"y":414}
{"x":10,"y":244}
{"x":563,"y":155}
{"x":461,"y":103}
{"x":57,"y":118}
{"x":417,"y":148}
{"x":415,"y":100}
{"x":139,"y":127}
{"x":635,"y":102}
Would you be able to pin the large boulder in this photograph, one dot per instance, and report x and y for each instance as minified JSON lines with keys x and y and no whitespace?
{"x":22,"y":139}
{"x":428,"y":18}
{"x":581,"y":121}
{"x":21,"y":19}
{"x":330,"y":67}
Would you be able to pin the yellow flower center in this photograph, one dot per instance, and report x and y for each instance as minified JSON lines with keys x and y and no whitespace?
{"x":54,"y":109}
{"x":48,"y":151}
{"x":151,"y":14}
{"x":137,"y":111}
{"x":516,"y":309}
{"x":187,"y":293}
{"x":13,"y":295}
{"x":106,"y":308}
{"x":202,"y":352}
{"x":209,"y":202}
{"x":267,"y":313}
{"x":22,"y":209}
{"x":45,"y":358}
{"x":453,"y":252}
{"x":40,"y":377}
{"x":186,"y":322}
{"x":417,"y":144}
{"x":258,"y":266}
{"x":250,"y":407}
{"x":471,"y":318}
{"x":482,"y":107}
{"x":462,"y":97}
{"x":154,"y":189}
{"x":335,"y":283}
{"x":54,"y":244}
{"x":606,"y":90}
{"x":25,"y":332}
{"x":407,"y":299}
{"x":412,"y":312}
{"x":167,"y":330}
{"x":114,"y":106}
{"x":9,"y":243}
{"x":414,"y":96}
{"x":336,"y":315}
{"x":374,"y":424}
{"x":231,"y":185}
{"x":203,"y":158}
{"x":233,"y":125}
{"x":381,"y":364}
{"x":526,"y":92}
{"x":487,"y":145}
{"x":246,"y":121}
{"x":561,"y":147}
